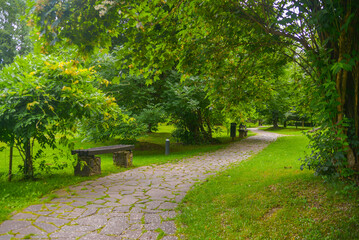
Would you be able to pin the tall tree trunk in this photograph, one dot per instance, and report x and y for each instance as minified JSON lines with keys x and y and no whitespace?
{"x":347,"y":82}
{"x":28,"y":165}
{"x":10,"y":163}
{"x":275,"y":122}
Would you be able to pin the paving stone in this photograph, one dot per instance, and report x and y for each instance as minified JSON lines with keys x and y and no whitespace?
{"x":160,"y":194}
{"x":136,"y":226}
{"x":6,"y":237}
{"x":168,"y":205}
{"x":33,"y":208}
{"x":94,"y":220}
{"x":132,"y":234}
{"x":24,"y":216}
{"x":149,"y":235}
{"x":96,"y":236}
{"x":122,"y":209}
{"x":13,"y":225}
{"x":169,"y":238}
{"x":49,"y":228}
{"x":73,"y":231}
{"x":115,"y":226}
{"x":169,"y":227}
{"x":153,"y":204}
{"x":56,"y":221}
{"x":152,"y":218}
{"x":89,"y":212}
{"x":135,"y":217}
{"x":30,"y":230}
{"x":168,"y":215}
{"x":152,"y":226}
{"x":128,"y":200}
{"x":104,"y":211}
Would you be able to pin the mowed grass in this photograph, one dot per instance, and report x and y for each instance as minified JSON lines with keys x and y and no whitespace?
{"x":289,"y":130}
{"x":150,"y":149}
{"x":269,"y":197}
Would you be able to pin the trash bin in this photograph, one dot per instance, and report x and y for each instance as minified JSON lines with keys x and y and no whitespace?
{"x":233,"y":130}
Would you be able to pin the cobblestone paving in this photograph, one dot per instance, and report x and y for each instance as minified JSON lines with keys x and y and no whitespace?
{"x":136,"y":204}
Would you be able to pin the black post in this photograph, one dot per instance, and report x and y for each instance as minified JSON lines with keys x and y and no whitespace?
{"x":233,"y":130}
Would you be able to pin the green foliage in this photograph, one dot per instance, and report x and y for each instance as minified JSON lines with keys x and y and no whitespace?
{"x":189,"y":107}
{"x":238,"y":47}
{"x":42,"y":96}
{"x":14,"y":34}
{"x":101,"y":127}
{"x":328,"y":155}
{"x":152,"y":116}
{"x":325,"y":157}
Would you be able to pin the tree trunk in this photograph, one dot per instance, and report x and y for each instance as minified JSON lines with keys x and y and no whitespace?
{"x":149,"y":128}
{"x":28,"y":166}
{"x":275,"y":122}
{"x":10,"y":163}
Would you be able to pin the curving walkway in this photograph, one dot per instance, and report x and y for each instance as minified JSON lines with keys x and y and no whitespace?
{"x":136,"y":204}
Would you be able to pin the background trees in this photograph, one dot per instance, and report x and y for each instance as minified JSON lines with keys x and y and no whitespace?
{"x":238,"y":47}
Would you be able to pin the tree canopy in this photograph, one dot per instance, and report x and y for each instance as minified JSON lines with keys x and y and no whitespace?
{"x":14,"y":34}
{"x":238,"y":47}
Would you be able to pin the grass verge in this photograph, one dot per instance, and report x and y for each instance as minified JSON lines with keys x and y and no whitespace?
{"x":268,"y":197}
{"x":289,"y":130}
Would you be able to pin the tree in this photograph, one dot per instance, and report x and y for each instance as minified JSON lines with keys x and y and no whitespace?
{"x":42,"y":96}
{"x":14,"y":34}
{"x":221,"y":39}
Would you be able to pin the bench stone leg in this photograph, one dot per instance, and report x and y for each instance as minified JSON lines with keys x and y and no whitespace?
{"x":123,"y":158}
{"x":88,"y":166}
{"x":241,"y":134}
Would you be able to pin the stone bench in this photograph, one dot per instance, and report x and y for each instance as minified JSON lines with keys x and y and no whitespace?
{"x":88,"y":164}
{"x":242,"y":131}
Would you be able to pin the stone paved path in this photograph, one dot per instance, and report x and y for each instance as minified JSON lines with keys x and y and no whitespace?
{"x":134,"y":204}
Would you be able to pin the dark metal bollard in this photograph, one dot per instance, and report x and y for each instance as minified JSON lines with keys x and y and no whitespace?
{"x":167,"y":147}
{"x":233,"y":130}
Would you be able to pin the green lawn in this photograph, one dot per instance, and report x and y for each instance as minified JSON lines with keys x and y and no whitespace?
{"x":150,"y":149}
{"x":289,"y":130}
{"x":269,"y":197}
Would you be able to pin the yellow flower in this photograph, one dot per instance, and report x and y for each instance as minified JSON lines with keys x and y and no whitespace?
{"x":51,"y":108}
{"x":66,"y":88}
{"x":106,"y":82}
{"x":107,"y":116}
{"x":29,"y":105}
{"x":38,"y":87}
